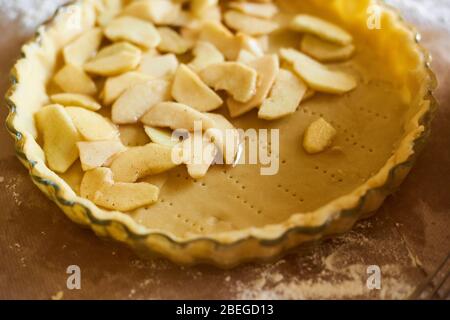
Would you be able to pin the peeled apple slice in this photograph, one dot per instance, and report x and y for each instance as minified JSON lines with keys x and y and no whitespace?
{"x":249,"y":25}
{"x":76,"y":100}
{"x":138,"y":162}
{"x":138,"y":99}
{"x":116,"y":86}
{"x":318,"y":76}
{"x":287,"y":92}
{"x":114,"y":59}
{"x":236,"y":78}
{"x":99,"y":187}
{"x":96,"y":154}
{"x":325,"y":51}
{"x":134,"y":30}
{"x":321,"y":28}
{"x":161,"y":136}
{"x":176,"y":116}
{"x":73,"y":79}
{"x":189,"y":89}
{"x":91,"y":125}
{"x":267,"y":68}
{"x":60,"y":137}
{"x":318,"y":136}
{"x":205,"y":55}
{"x":83,"y":48}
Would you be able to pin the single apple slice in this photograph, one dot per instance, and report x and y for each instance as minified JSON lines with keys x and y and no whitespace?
{"x":225,"y":136}
{"x":83,"y":48}
{"x":114,"y":59}
{"x":59,"y":135}
{"x":260,"y":10}
{"x":200,"y":7}
{"x":267,"y":68}
{"x":236,"y":78}
{"x":96,"y":154}
{"x":161,"y":136}
{"x":189,"y":89}
{"x":137,"y":100}
{"x":222,"y":38}
{"x":91,"y":125}
{"x":318,"y":76}
{"x":318,"y":136}
{"x":176,"y":116}
{"x":138,"y":162}
{"x":325,"y":51}
{"x":172,"y":42}
{"x":99,"y":187}
{"x":115,"y":86}
{"x":76,"y":100}
{"x":163,"y":66}
{"x":73,"y":79}
{"x":108,"y":10}
{"x":249,"y":25}
{"x":205,"y":55}
{"x":320,"y":28}
{"x":134,"y":30}
{"x":156,"y":11}
{"x":198,"y":155}
{"x":285,"y":96}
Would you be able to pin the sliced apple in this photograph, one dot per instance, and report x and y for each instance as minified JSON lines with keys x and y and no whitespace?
{"x":115,"y":86}
{"x":96,"y":154}
{"x":225,"y":136}
{"x":163,"y":66}
{"x":222,"y":38}
{"x":249,"y":25}
{"x":318,"y":136}
{"x":189,"y":89}
{"x":114,"y":59}
{"x":109,"y":9}
{"x":161,"y":136}
{"x":172,"y":42}
{"x":73,"y":79}
{"x":205,"y":55}
{"x":318,"y":76}
{"x":76,"y":100}
{"x":156,"y":11}
{"x":83,"y":48}
{"x":133,"y":135}
{"x":250,"y":44}
{"x":236,"y":78}
{"x":321,"y":28}
{"x":200,"y":7}
{"x":285,"y":96}
{"x":91,"y":125}
{"x":261,"y":10}
{"x":176,"y":116}
{"x":198,"y":155}
{"x":267,"y":68}
{"x":325,"y":51}
{"x":134,"y":30}
{"x":137,"y":100}
{"x":59,"y":135}
{"x":99,"y":187}
{"x":246,"y":56}
{"x":138,"y":162}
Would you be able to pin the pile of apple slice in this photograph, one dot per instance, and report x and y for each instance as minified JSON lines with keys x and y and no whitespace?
{"x":152,"y":67}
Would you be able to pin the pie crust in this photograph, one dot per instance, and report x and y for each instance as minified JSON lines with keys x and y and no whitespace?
{"x":386,"y":122}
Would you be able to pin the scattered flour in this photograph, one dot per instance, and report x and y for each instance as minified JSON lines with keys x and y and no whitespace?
{"x":30,"y":13}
